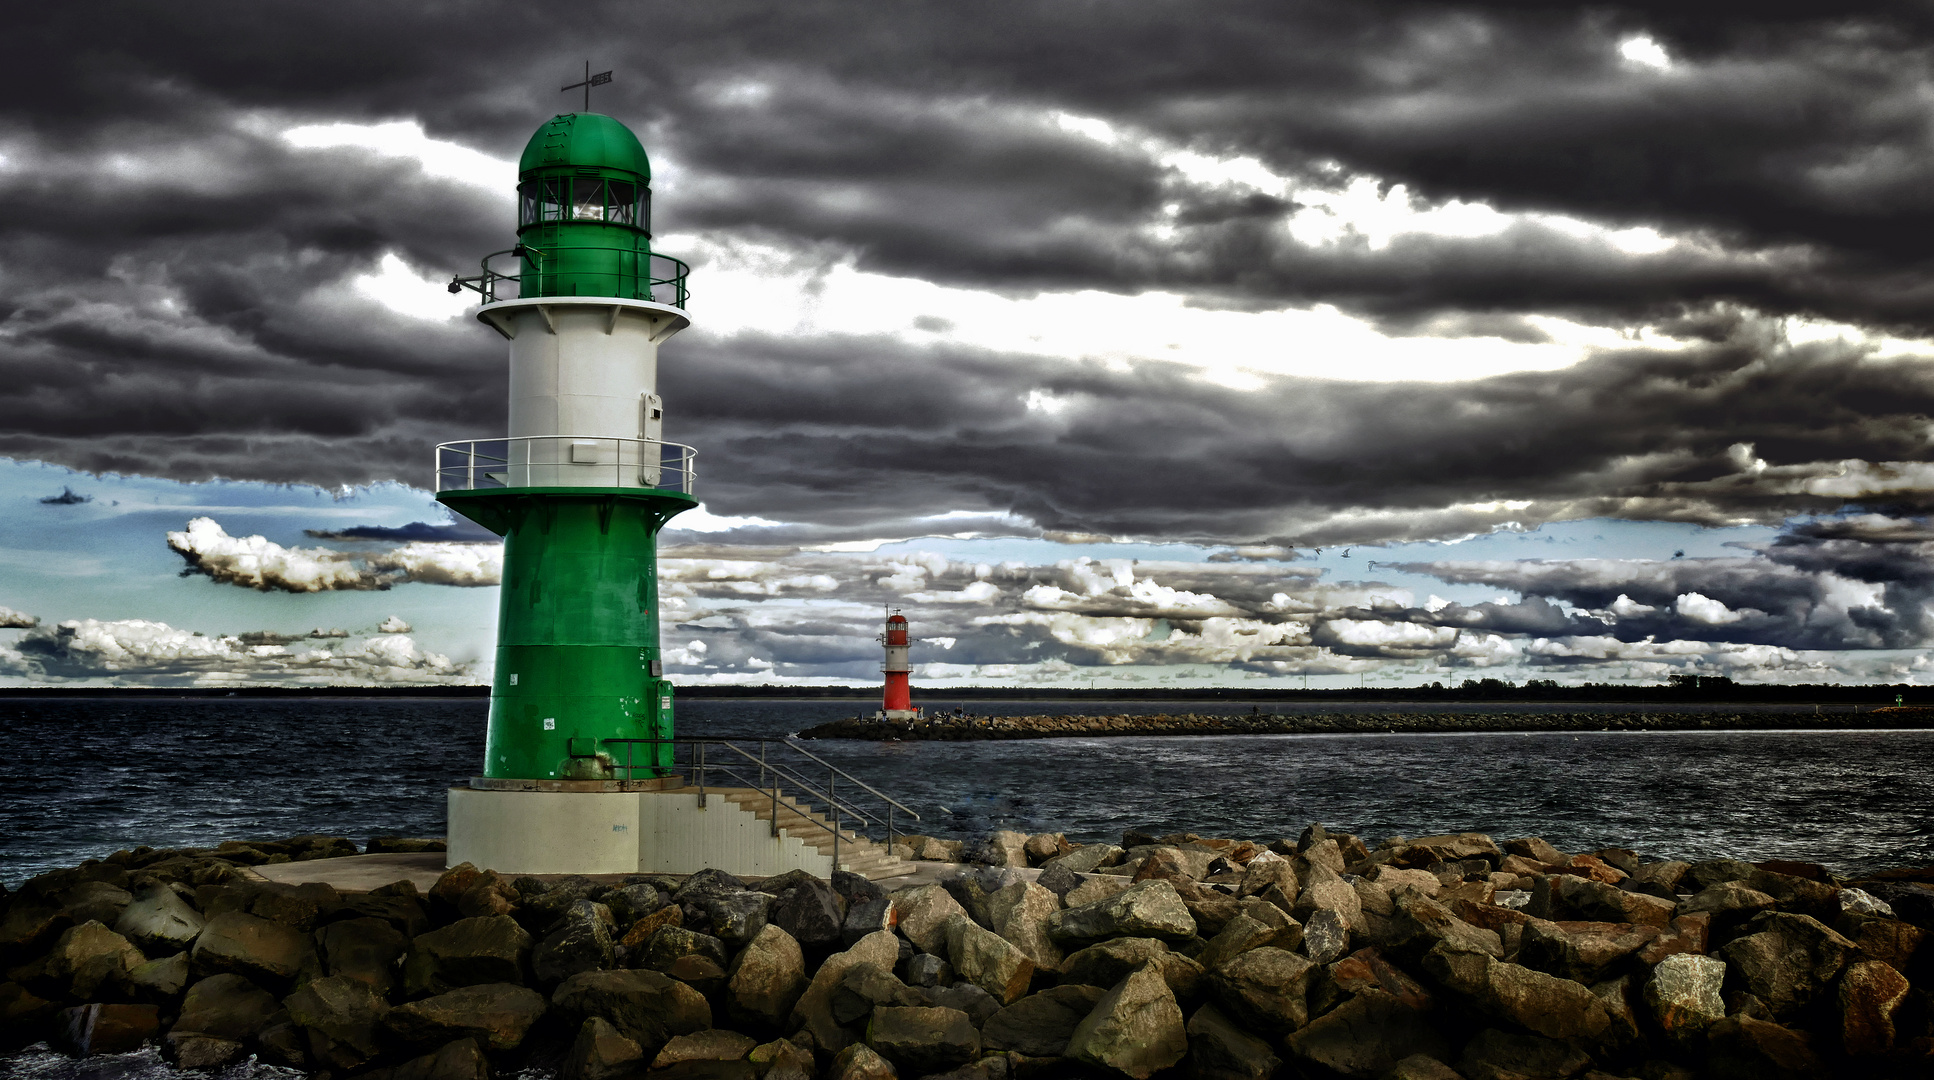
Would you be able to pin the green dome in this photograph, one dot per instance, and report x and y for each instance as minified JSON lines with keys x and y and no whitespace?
{"x":584,"y":140}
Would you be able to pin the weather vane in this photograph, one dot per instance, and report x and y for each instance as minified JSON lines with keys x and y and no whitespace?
{"x":590,"y":81}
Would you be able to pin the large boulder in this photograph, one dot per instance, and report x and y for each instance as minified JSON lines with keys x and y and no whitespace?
{"x":1136,"y":1028}
{"x":713,"y":1045}
{"x":160,"y":981}
{"x":765,"y":980}
{"x":26,"y":929}
{"x":1323,"y":889}
{"x":1326,"y":938}
{"x":921,"y":1040}
{"x":226,"y":1007}
{"x":579,"y":941}
{"x":922,"y":913}
{"x":810,"y":911}
{"x":1086,"y":859}
{"x":601,"y":1052}
{"x":459,"y":1060}
{"x":813,"y":1011}
{"x":1002,"y":847}
{"x":87,"y":962}
{"x":1237,"y":936}
{"x":495,"y":1014}
{"x":737,"y":917}
{"x":1040,"y":1025}
{"x":95,"y":901}
{"x":303,"y":906}
{"x":648,"y":1007}
{"x":1109,"y":962}
{"x":468,"y":952}
{"x":1744,"y":1048}
{"x":189,"y":1052}
{"x":1683,"y":994}
{"x":366,"y":949}
{"x":1366,"y":1037}
{"x":1545,"y":1004}
{"x":1501,"y":1054}
{"x":861,"y":1062}
{"x":159,"y":922}
{"x":1020,"y":912}
{"x":1871,"y":994}
{"x":104,"y":1028}
{"x":866,"y":987}
{"x":1366,"y":969}
{"x":1265,"y":989}
{"x":1563,"y":896}
{"x":690,"y":957}
{"x":1787,"y":960}
{"x":344,"y":1020}
{"x":1419,"y":923}
{"x":1581,"y":951}
{"x":1150,"y":909}
{"x":1220,"y":1049}
{"x":267,"y":952}
{"x":987,"y":960}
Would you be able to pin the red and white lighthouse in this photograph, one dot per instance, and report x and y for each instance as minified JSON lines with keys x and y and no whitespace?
{"x":897,"y":704}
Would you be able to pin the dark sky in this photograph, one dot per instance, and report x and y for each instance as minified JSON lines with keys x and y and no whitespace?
{"x":175,"y":297}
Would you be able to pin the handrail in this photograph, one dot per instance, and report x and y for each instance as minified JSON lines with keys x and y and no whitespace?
{"x":876,"y":793}
{"x":486,"y":284}
{"x":805,"y":791}
{"x":565,"y":461}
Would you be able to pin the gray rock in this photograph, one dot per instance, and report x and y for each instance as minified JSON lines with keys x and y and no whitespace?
{"x":459,"y":1060}
{"x":1366,"y":1036}
{"x":1109,"y":962}
{"x":814,"y":1012}
{"x":866,"y":987}
{"x":226,"y":1007}
{"x":86,"y":1030}
{"x":987,"y":960}
{"x":1266,"y":989}
{"x":1136,"y":1028}
{"x":1325,"y":937}
{"x":919,"y":1040}
{"x":1019,"y":912}
{"x":1058,"y":879}
{"x":344,"y":1019}
{"x":1499,"y":1053}
{"x":366,"y":949}
{"x":765,"y":980}
{"x":811,"y":912}
{"x":1003,"y":847}
{"x":1544,"y":1004}
{"x":925,"y":969}
{"x":1563,"y":896}
{"x":922,"y":914}
{"x":1581,"y":952}
{"x":1096,"y":888}
{"x":87,"y":961}
{"x":646,"y":1006}
{"x":602,"y":1052}
{"x":495,"y":1014}
{"x":738,"y":917}
{"x":159,"y":921}
{"x":1040,"y":1025}
{"x":1324,"y":889}
{"x":1238,"y":936}
{"x":861,"y":1062}
{"x":1420,"y":922}
{"x":867,"y":916}
{"x":1683,"y":995}
{"x":713,"y":1045}
{"x":674,"y":943}
{"x":160,"y":981}
{"x":581,"y":941}
{"x":1787,"y":960}
{"x":95,"y":901}
{"x":468,"y":952}
{"x":1149,"y":909}
{"x":189,"y":1052}
{"x":978,"y":1004}
{"x":1085,"y":859}
{"x":634,"y":902}
{"x":1220,"y":1050}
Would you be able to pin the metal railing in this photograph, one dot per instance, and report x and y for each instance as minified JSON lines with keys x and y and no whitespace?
{"x":841,"y":807}
{"x":564,"y":461}
{"x":662,"y":279}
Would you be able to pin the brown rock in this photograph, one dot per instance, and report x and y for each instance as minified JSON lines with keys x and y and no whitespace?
{"x":1870,"y":994}
{"x":1590,"y":866}
{"x":988,"y":960}
{"x":1136,"y":1028}
{"x":646,"y":1006}
{"x":1581,"y":951}
{"x":1683,"y":993}
{"x":468,"y":952}
{"x":87,"y":961}
{"x":365,"y":949}
{"x":1787,"y":960}
{"x":226,"y":1007}
{"x":1221,"y":1050}
{"x":1366,"y":969}
{"x":496,"y":1014}
{"x":602,"y":1052}
{"x":923,"y":1040}
{"x":189,"y":1052}
{"x":712,"y":1045}
{"x":1040,"y":1025}
{"x":268,"y":952}
{"x":344,"y":1020}
{"x":1742,"y":1048}
{"x":814,"y":1012}
{"x":647,"y":927}
{"x":1687,"y":934}
{"x":766,"y":979}
{"x":1545,"y":1004}
{"x":861,"y":1062}
{"x":1366,"y":1037}
{"x":105,"y":1029}
{"x":1266,"y":989}
{"x":459,"y":1060}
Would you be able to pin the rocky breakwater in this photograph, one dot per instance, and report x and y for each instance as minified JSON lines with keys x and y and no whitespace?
{"x":1319,"y":956}
{"x":941,"y":727}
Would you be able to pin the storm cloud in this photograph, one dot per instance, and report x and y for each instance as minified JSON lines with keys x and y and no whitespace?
{"x":1698,"y":187}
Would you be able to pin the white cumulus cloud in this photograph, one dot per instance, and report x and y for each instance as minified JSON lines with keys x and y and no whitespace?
{"x":16,"y":620}
{"x":259,"y":563}
{"x":140,"y":648}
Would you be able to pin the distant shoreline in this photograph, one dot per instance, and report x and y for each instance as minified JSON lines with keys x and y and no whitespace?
{"x":993,"y":728}
{"x":1708,"y":694}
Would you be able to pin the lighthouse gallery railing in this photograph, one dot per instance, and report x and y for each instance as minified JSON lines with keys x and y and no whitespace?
{"x":564,"y":461}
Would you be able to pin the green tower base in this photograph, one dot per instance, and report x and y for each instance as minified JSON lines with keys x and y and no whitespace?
{"x":578,"y":659}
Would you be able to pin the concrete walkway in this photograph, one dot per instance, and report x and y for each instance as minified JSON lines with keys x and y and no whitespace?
{"x":361,"y":873}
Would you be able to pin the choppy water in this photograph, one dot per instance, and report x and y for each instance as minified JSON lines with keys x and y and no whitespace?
{"x":81,"y":778}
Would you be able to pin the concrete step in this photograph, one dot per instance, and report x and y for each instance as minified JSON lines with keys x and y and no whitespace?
{"x":857,"y":854}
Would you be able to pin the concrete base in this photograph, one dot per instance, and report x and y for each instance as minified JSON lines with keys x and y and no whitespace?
{"x":618,"y":832}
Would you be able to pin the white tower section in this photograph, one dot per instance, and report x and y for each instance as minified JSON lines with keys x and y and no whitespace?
{"x":584,"y":403}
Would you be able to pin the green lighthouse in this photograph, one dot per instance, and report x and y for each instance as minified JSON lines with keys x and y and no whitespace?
{"x":584,"y":480}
